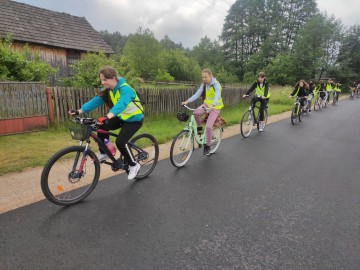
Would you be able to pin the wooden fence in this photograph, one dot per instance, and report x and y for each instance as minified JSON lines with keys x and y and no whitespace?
{"x":22,"y":100}
{"x":23,"y":107}
{"x":158,"y":101}
{"x":34,"y":99}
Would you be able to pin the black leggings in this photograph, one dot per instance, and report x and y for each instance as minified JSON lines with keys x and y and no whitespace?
{"x":263,"y":105}
{"x":128,"y":129}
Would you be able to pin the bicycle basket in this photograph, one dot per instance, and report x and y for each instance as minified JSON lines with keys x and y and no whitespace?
{"x":182,"y":116}
{"x":78,"y":132}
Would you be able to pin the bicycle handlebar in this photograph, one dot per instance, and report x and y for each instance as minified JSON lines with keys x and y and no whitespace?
{"x":191,"y":109}
{"x":84,"y":121}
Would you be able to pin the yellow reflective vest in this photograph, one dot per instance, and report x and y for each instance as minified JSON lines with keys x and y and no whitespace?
{"x":131,"y":109}
{"x":210,"y":96}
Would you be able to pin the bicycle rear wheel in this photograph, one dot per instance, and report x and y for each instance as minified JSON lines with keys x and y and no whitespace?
{"x":182,"y":148}
{"x":247,"y":124}
{"x":61,"y":180}
{"x":145,"y":150}
{"x":216,"y":139}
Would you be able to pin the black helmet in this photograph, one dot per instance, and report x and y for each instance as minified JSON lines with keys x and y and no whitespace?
{"x":183,"y":117}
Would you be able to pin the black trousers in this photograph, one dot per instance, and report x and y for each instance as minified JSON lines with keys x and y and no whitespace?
{"x":263,"y":104}
{"x":128,"y":129}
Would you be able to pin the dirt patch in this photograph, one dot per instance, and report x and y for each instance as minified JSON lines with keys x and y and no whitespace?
{"x":20,"y":189}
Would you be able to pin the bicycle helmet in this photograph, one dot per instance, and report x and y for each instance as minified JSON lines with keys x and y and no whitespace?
{"x":182,"y":116}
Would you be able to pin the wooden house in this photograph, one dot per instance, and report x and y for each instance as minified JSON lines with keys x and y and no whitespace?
{"x":58,"y":37}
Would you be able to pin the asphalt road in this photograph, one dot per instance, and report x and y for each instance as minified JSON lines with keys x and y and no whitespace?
{"x":288,"y":198}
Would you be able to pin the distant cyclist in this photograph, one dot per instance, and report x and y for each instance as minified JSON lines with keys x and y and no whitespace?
{"x":337,"y":90}
{"x":301,"y":91}
{"x":210,"y":92}
{"x":261,"y":87}
{"x":329,"y":88}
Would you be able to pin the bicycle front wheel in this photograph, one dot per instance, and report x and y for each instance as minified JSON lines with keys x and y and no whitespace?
{"x":216,"y":139}
{"x":145,"y":150}
{"x":295,"y":115}
{"x":317,"y":105}
{"x":247,"y":124}
{"x":182,"y":148}
{"x":70,"y":175}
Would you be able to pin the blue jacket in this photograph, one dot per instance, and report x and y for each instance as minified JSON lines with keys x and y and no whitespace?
{"x":127,"y":95}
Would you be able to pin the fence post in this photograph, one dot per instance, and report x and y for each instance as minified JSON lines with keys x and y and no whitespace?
{"x":50,"y":105}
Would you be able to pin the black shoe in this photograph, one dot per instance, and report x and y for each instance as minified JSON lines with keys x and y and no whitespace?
{"x":206,"y":150}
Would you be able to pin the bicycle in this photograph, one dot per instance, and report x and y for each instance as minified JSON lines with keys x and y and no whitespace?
{"x":351,"y":95}
{"x":298,"y":111}
{"x":317,"y":101}
{"x":72,"y":173}
{"x":182,"y":145}
{"x":335,"y":98}
{"x":249,"y":119}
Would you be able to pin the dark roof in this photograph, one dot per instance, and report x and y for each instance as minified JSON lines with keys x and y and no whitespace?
{"x":37,"y":25}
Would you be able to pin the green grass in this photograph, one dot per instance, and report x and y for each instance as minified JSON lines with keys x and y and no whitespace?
{"x":19,"y":152}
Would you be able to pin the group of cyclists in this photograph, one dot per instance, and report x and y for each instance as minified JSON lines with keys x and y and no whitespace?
{"x":307,"y":91}
{"x":119,"y":97}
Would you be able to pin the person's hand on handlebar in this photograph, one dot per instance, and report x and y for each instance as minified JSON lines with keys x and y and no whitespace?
{"x":184,"y":102}
{"x":74,"y":112}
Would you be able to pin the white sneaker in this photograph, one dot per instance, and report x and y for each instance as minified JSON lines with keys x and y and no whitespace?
{"x":261,"y":127}
{"x":133,"y":171}
{"x":102,"y":157}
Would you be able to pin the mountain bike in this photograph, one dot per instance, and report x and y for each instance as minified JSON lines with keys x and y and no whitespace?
{"x":182,"y":145}
{"x":72,"y":173}
{"x":251,"y":118}
{"x":298,"y":111}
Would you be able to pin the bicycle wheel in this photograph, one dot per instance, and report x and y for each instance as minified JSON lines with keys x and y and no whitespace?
{"x":61,"y":180}
{"x":247,"y":124}
{"x":317,"y":105}
{"x":295,"y":115}
{"x":216,"y":139}
{"x":145,"y":150}
{"x":182,"y":148}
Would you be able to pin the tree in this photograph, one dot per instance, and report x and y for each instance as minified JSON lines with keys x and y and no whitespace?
{"x":22,"y":65}
{"x":348,"y":61}
{"x":142,"y":52}
{"x":87,"y":70}
{"x":208,"y":54}
{"x":115,"y":40}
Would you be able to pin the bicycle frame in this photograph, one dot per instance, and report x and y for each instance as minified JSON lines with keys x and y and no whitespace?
{"x":192,"y":127}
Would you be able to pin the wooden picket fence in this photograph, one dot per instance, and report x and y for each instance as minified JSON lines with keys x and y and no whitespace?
{"x":34,"y":99}
{"x":22,"y":100}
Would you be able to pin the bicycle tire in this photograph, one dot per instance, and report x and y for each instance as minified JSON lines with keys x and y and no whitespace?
{"x":145,"y":152}
{"x":182,"y":148}
{"x":216,"y":139}
{"x":317,"y":105}
{"x":247,"y":124}
{"x":295,"y":116}
{"x":59,"y":181}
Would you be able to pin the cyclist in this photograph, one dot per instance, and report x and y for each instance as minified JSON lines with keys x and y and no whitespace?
{"x":210,"y":92}
{"x":337,"y":90}
{"x":353,"y":89}
{"x":261,"y":87}
{"x":124,"y":112}
{"x":357,"y":87}
{"x":322,"y":90}
{"x":301,"y":91}
{"x":311,"y":93}
{"x":329,"y":88}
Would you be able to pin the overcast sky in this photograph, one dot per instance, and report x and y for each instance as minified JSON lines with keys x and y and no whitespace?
{"x":185,"y":21}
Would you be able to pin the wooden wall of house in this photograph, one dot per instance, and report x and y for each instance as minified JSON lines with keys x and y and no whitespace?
{"x":57,"y":57}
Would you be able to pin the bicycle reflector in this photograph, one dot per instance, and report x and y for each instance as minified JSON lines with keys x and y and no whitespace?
{"x":183,"y":117}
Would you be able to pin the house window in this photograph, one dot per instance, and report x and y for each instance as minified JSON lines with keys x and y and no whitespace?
{"x":72,"y":58}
